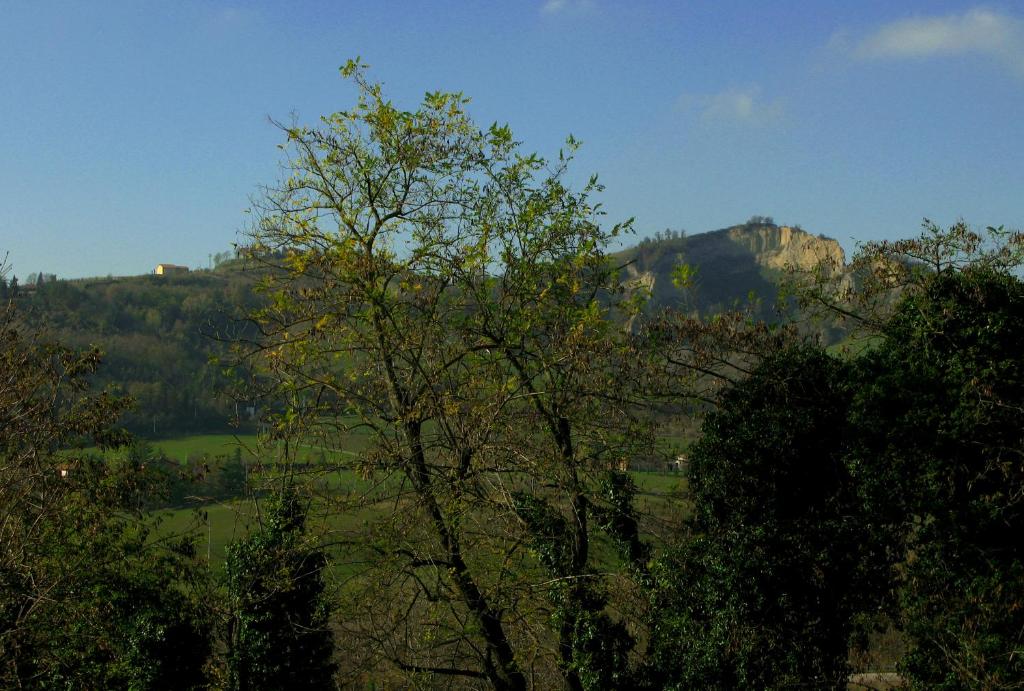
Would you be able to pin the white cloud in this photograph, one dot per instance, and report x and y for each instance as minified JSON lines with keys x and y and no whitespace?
{"x":557,"y":6}
{"x":978,"y":31}
{"x":735,"y":105}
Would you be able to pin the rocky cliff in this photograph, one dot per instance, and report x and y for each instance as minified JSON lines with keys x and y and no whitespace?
{"x":730,"y":265}
{"x":781,"y":247}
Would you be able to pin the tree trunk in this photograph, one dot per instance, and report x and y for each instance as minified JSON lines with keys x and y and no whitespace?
{"x":499,"y":665}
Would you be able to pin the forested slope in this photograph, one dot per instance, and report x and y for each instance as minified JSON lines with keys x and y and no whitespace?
{"x":158,"y":334}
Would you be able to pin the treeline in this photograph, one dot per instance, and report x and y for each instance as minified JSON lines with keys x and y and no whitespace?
{"x":158,"y":335}
{"x":836,"y":494}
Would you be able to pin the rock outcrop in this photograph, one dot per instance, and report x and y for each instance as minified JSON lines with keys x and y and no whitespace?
{"x":782,"y":247}
{"x":730,"y":265}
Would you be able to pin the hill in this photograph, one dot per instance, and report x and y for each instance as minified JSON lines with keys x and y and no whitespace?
{"x":728,"y":266}
{"x":160,"y":332}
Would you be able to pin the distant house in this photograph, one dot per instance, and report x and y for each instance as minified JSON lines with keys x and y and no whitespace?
{"x":167,"y":269}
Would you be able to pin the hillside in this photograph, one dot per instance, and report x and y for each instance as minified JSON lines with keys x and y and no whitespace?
{"x":730,"y":264}
{"x":159,"y":332}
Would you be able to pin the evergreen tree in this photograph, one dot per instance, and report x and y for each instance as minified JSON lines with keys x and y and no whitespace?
{"x":278,"y":636}
{"x":232,"y":475}
{"x":940,"y":441}
{"x":765,"y":592}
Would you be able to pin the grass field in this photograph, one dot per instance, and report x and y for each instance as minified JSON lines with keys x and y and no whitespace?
{"x":182,"y":448}
{"x":216,"y":524}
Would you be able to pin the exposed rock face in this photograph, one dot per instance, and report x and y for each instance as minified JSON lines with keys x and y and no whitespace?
{"x":780,"y":247}
{"x":641,"y":279}
{"x":730,"y":265}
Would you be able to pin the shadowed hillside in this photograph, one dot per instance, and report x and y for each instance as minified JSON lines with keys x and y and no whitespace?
{"x":158,"y":336}
{"x":728,"y":267}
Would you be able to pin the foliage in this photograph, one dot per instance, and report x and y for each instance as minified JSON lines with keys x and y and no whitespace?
{"x":430,"y":283}
{"x":940,"y":458}
{"x":277,"y":634}
{"x":201,"y":479}
{"x":765,"y":592}
{"x":864,"y":294}
{"x":597,"y":645}
{"x":683,"y":276}
{"x":936,"y":441}
{"x":160,"y":333}
{"x":128,"y":618}
{"x":87,"y":599}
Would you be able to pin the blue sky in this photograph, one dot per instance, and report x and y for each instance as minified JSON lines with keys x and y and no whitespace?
{"x":133,"y":133}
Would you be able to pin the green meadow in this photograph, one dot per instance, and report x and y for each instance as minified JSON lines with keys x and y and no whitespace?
{"x":212,"y":445}
{"x":215,"y":524}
